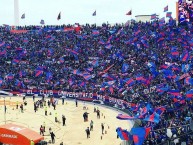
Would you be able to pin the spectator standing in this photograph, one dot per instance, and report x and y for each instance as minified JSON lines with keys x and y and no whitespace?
{"x":63,"y":120}
{"x":52,"y":137}
{"x":91,"y":125}
{"x":102,"y":127}
{"x":88,"y":132}
{"x":46,"y":111}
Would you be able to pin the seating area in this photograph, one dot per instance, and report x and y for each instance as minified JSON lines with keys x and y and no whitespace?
{"x":148,"y":64}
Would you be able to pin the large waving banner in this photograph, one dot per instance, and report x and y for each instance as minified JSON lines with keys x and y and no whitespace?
{"x":86,"y":96}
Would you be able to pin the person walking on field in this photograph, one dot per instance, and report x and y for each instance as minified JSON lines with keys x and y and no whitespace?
{"x":23,"y":98}
{"x":50,"y":130}
{"x":63,"y":120}
{"x":87,"y":132}
{"x":34,"y":98}
{"x":91,"y":125}
{"x":84,"y":116}
{"x":5,"y":109}
{"x":98,"y":114}
{"x":54,"y":105}
{"x":41,"y":130}
{"x":44,"y":126}
{"x":21,"y":107}
{"x":102,"y":127}
{"x":52,"y":137}
{"x":62,"y":101}
{"x":56,"y":120}
{"x":17,"y":105}
{"x":76,"y":103}
{"x":46,"y":111}
{"x":48,"y":103}
{"x":35,"y":107}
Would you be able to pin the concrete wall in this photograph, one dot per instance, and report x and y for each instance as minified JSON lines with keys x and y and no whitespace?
{"x":143,"y":18}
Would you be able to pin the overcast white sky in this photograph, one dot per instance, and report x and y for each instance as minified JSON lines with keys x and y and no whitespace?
{"x":73,"y":11}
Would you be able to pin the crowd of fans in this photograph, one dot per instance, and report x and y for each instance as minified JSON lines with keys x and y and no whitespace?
{"x":185,"y":11}
{"x":117,"y":61}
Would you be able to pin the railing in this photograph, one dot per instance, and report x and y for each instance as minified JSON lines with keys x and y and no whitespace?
{"x":170,"y":141}
{"x":125,"y":143}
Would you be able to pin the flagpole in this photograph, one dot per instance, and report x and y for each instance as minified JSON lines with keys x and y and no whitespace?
{"x":4,"y":111}
{"x":60,"y":19}
{"x":167,"y":10}
{"x":24,"y":22}
{"x":131,"y":14}
{"x":95,"y":18}
{"x":58,"y":22}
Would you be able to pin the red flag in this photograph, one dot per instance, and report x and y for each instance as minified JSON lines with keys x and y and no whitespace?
{"x":106,"y":70}
{"x":129,"y":13}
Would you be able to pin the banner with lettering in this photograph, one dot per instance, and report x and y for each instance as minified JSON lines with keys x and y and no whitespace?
{"x":81,"y":96}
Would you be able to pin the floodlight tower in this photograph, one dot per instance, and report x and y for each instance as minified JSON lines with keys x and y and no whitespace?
{"x":16,"y":12}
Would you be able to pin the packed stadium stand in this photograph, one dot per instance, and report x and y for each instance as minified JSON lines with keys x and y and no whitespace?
{"x":147,"y":64}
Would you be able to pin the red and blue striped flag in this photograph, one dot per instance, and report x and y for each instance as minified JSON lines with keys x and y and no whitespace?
{"x":21,"y":73}
{"x":174,"y":51}
{"x":123,"y":134}
{"x":174,"y":92}
{"x":191,"y":42}
{"x":95,"y":63}
{"x":185,"y":56}
{"x":169,"y":14}
{"x":109,"y":46}
{"x":160,"y":110}
{"x":15,"y":61}
{"x":95,"y":32}
{"x":166,"y":8}
{"x":18,"y":83}
{"x":2,"y":44}
{"x":48,"y":76}
{"x":87,"y":77}
{"x":189,"y":94}
{"x":61,"y":60}
{"x":125,"y":117}
{"x":153,"y":118}
{"x":188,"y":81}
{"x":39,"y":72}
{"x":2,"y":53}
{"x":82,"y":84}
{"x":139,"y":134}
{"x":10,"y":76}
{"x":153,"y":16}
{"x":129,"y":81}
{"x":19,"y":49}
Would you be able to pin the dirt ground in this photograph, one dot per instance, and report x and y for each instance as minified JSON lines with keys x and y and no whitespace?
{"x":74,"y":131}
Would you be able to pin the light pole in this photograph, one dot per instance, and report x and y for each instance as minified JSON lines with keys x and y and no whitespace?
{"x":16,"y":12}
